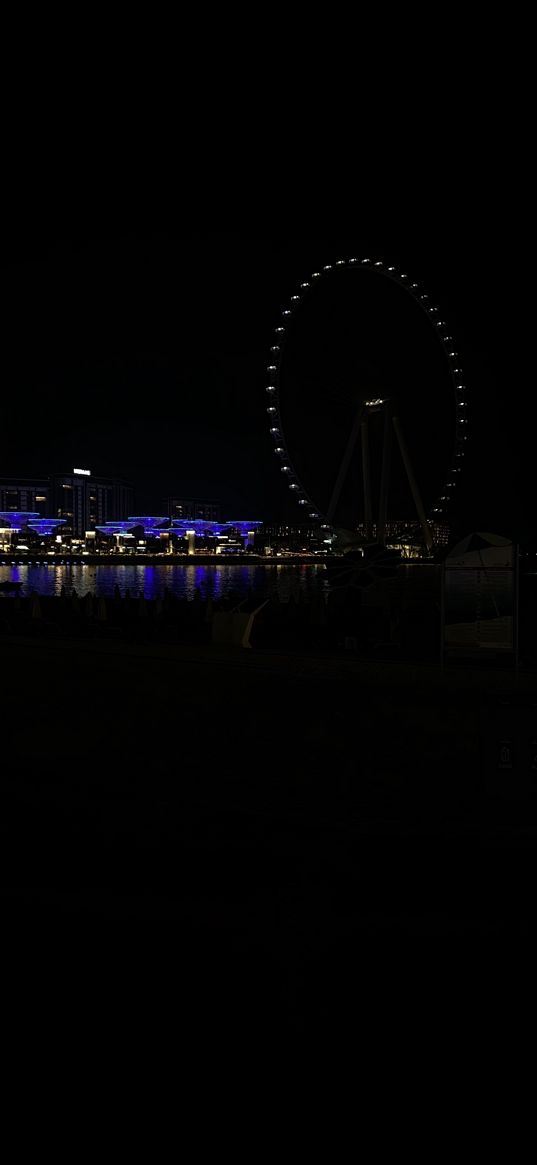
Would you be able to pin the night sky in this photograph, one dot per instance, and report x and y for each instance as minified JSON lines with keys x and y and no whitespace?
{"x":143,"y":353}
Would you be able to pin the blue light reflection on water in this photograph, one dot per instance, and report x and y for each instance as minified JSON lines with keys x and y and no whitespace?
{"x":152,"y":581}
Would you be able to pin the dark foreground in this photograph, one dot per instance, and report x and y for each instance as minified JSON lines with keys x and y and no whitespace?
{"x":266,"y":831}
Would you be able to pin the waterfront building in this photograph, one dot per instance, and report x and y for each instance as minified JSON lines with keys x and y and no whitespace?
{"x":408,"y":533}
{"x":207,"y":509}
{"x":86,"y":500}
{"x":297,"y":537}
{"x":26,"y":494}
{"x":80,"y":498}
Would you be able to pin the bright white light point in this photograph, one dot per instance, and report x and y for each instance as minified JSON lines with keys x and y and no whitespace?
{"x":340,"y":263}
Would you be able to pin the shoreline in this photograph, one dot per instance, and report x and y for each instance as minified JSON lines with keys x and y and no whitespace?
{"x":164,"y":560}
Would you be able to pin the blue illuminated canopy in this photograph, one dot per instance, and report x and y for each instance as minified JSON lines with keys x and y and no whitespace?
{"x":153,"y":527}
{"x":148,"y":522}
{"x":243,"y":525}
{"x":46,"y":526}
{"x":114,"y":528}
{"x":17,"y":518}
{"x":201,"y":526}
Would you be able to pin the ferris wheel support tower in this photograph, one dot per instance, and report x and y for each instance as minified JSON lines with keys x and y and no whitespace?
{"x":388,"y":406}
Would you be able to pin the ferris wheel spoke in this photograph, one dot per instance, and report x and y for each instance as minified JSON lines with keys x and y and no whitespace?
{"x":366,"y":469}
{"x":416,"y":496}
{"x":385,"y":472}
{"x":344,"y":467}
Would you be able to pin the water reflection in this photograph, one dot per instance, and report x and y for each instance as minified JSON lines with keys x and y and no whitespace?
{"x":152,"y":581}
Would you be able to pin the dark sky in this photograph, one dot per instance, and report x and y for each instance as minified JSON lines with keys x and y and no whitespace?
{"x":142,"y":352}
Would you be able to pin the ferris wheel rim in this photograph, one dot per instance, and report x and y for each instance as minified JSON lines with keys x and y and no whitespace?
{"x":432,"y":313}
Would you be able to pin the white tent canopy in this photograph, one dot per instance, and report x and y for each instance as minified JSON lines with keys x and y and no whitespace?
{"x":482,"y":550}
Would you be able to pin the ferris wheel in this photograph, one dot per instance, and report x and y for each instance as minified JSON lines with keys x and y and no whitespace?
{"x":363,"y":369}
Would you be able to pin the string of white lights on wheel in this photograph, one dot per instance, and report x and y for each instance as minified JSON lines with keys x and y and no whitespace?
{"x":273,"y":387}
